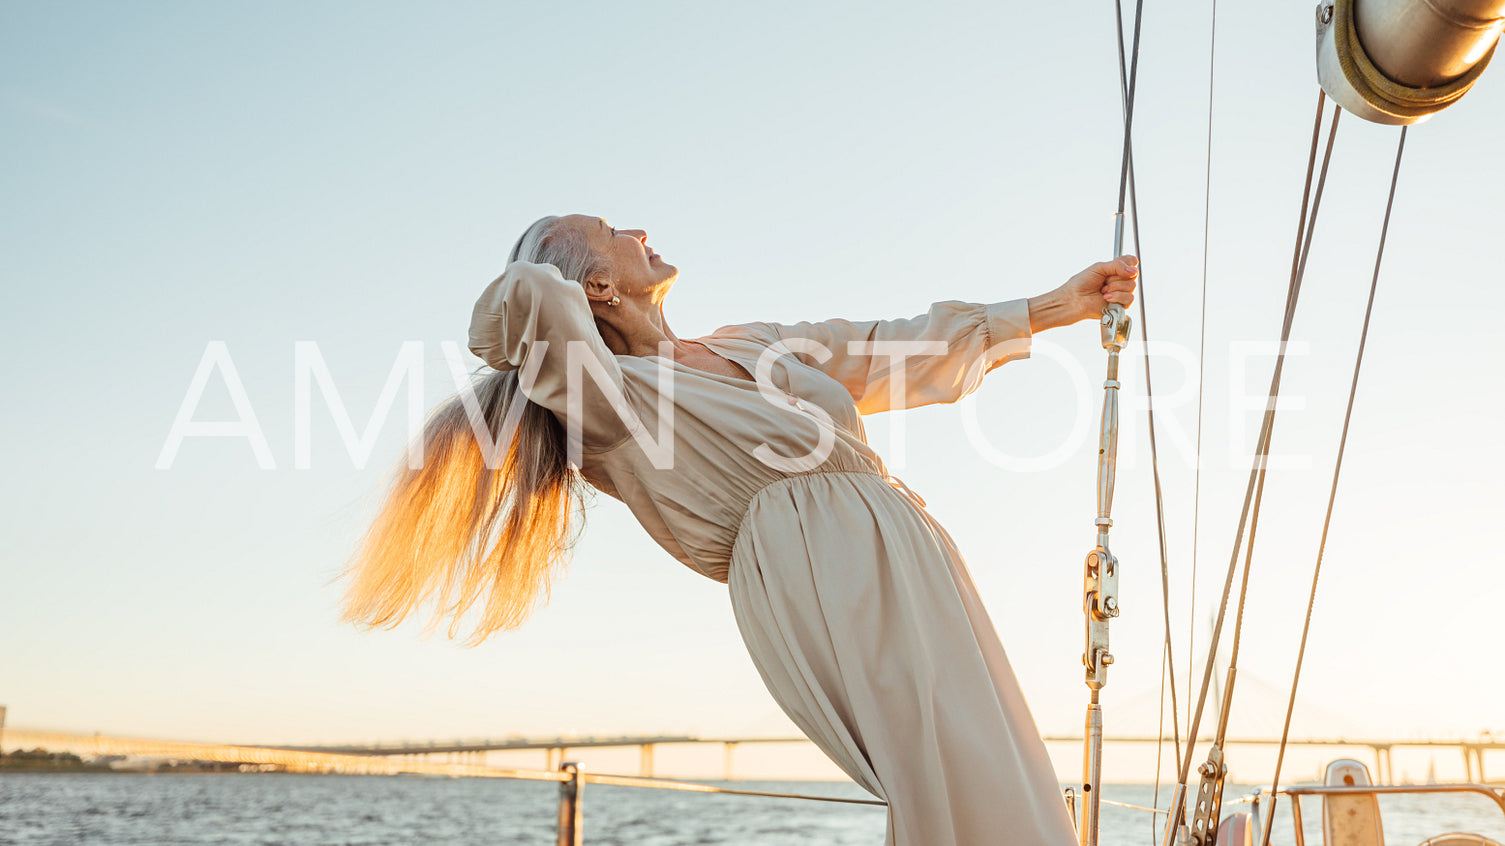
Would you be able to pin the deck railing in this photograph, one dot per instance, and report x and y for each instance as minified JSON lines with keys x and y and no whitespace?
{"x":1255,"y":800}
{"x":572,"y":780}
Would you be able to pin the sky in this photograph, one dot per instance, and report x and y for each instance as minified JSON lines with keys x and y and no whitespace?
{"x":181,"y":178}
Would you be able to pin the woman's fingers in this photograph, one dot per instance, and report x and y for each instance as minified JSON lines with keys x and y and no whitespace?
{"x":1120,"y":271}
{"x":1119,"y":288}
{"x":1117,"y":267}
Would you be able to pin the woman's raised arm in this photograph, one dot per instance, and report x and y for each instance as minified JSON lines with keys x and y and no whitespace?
{"x":533,"y":320}
{"x":942,"y":355}
{"x":939,"y":356}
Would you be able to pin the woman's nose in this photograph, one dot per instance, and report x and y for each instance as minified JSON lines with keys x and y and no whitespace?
{"x":639,"y":234}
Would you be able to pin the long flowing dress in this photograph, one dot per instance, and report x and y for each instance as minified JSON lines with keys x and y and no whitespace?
{"x":855,"y":605}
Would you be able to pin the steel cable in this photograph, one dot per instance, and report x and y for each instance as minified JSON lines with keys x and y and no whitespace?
{"x":1332,"y":495}
{"x":1196,"y":503}
{"x":1168,"y":663}
{"x":1128,"y":82}
{"x":1304,"y":229}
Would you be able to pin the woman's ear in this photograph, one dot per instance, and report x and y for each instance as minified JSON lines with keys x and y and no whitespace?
{"x":599,"y":288}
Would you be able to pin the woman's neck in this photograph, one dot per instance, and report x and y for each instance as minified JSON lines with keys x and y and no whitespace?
{"x":636,"y":329}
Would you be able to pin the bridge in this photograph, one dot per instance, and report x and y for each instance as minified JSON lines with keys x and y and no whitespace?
{"x":557,"y":747}
{"x":466,"y":757}
{"x":1384,"y":773}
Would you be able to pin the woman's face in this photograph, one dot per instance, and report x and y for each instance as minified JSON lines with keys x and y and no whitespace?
{"x":635,"y":267}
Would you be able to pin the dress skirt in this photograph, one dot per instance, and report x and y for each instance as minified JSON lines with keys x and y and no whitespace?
{"x":861,"y":617}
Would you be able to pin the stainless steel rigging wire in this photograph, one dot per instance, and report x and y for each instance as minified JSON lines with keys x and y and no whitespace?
{"x":1238,"y":627}
{"x":1168,"y":659}
{"x":1100,"y":578}
{"x":1128,"y":79}
{"x":1100,"y":569}
{"x":1126,"y":87}
{"x":1214,"y":769}
{"x":1196,"y":502}
{"x":1332,"y":495}
{"x":1160,"y":742}
{"x":1212,"y":782}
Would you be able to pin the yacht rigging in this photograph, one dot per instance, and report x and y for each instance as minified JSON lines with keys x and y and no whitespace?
{"x":1392,"y":62}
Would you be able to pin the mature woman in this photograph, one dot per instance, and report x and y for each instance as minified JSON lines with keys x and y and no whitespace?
{"x":742,"y":453}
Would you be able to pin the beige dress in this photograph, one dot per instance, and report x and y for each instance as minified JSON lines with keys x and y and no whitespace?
{"x":855,"y":605}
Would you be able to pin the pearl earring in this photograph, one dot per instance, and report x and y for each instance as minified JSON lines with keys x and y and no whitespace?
{"x":615,"y":300}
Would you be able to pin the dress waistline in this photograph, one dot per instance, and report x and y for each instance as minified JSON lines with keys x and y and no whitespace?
{"x":888,"y":478}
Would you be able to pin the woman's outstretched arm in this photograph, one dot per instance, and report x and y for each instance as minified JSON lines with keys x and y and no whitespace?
{"x":942,"y":355}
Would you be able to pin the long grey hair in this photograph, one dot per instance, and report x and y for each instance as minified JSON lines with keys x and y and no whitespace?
{"x":463,"y":537}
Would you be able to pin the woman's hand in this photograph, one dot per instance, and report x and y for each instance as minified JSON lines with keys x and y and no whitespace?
{"x":1086,"y":295}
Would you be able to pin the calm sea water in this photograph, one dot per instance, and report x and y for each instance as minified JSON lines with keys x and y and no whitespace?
{"x":296,"y":810}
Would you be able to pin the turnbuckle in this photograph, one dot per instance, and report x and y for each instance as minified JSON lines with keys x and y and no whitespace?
{"x":1099,"y":605}
{"x":1100,"y":574}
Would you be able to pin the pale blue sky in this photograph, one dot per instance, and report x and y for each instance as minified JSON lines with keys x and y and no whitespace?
{"x":177,"y":174}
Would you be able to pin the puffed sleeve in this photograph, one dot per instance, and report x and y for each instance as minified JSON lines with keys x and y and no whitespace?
{"x":533,"y":320}
{"x":936,"y":357}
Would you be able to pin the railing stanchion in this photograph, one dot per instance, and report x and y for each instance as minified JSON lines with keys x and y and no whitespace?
{"x":571,"y":814}
{"x":1295,"y":815}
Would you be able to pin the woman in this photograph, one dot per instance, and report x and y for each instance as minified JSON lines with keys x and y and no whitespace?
{"x":742,"y":453}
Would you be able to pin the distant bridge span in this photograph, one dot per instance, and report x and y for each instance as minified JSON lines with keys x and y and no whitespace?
{"x":467,"y":757}
{"x":556,"y":747}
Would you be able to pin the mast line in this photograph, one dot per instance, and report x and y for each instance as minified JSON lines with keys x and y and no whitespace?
{"x":1353,"y":388}
{"x":1303,"y":235}
{"x":1100,"y":570}
{"x":1196,"y":502}
{"x":1232,"y":566}
{"x":1168,"y":663}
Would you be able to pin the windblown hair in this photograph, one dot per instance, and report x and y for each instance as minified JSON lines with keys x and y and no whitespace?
{"x":466,"y":535}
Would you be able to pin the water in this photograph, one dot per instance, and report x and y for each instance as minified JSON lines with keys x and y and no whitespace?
{"x":299,"y":810}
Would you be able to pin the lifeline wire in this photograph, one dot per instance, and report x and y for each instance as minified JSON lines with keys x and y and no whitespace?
{"x":1332,"y":495}
{"x":1291,"y":295}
